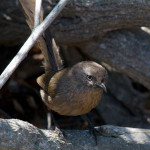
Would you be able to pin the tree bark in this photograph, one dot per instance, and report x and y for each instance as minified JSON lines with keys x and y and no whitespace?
{"x":17,"y":134}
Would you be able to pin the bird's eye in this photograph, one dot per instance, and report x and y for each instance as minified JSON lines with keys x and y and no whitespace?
{"x":89,"y":78}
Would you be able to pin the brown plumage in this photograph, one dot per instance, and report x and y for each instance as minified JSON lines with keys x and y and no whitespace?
{"x":73,"y":91}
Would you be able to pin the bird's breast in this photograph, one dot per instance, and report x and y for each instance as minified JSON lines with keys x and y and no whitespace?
{"x":78,"y":104}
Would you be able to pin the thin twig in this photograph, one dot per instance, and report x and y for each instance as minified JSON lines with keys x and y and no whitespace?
{"x":37,"y":15}
{"x":30,"y":42}
{"x":38,"y":4}
{"x":49,"y":120}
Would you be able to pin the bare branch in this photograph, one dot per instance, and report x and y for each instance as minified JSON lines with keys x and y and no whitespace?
{"x":37,"y":12}
{"x":30,"y":42}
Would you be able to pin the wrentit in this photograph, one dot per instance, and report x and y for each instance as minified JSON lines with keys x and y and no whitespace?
{"x":73,"y":91}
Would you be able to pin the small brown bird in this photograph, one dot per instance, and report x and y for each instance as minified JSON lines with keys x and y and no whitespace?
{"x":73,"y":91}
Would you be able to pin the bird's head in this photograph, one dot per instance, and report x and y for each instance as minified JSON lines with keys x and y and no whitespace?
{"x":90,"y":74}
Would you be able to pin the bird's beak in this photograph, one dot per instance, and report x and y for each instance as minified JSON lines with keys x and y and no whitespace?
{"x":102,"y":85}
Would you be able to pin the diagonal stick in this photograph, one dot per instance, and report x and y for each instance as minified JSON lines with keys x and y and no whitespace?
{"x":30,"y":42}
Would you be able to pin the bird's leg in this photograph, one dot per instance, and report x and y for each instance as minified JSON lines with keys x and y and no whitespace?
{"x":51,"y":120}
{"x":92,"y":130}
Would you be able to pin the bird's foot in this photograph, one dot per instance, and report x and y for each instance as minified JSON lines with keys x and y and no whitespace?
{"x":93,"y":131}
{"x":55,"y":126}
{"x":91,"y":128}
{"x":60,"y":133}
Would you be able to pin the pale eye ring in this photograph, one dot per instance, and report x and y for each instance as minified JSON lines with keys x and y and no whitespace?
{"x":90,"y":78}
